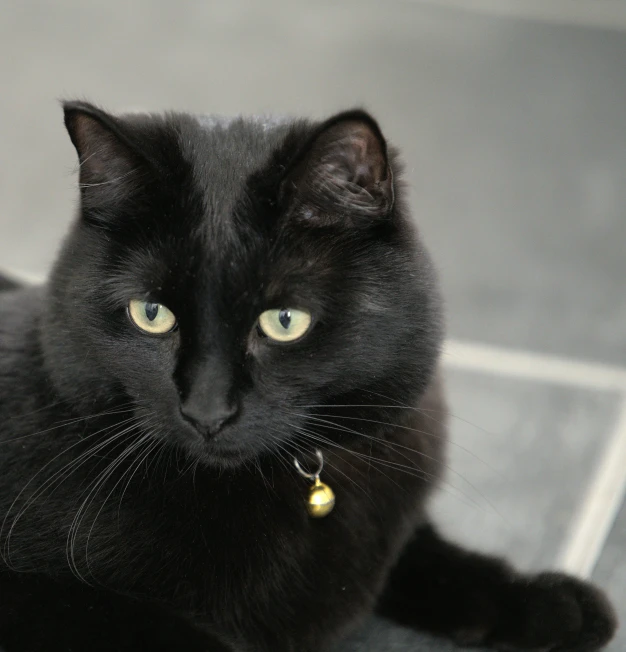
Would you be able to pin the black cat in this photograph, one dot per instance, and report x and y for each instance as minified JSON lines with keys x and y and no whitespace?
{"x":234,"y":297}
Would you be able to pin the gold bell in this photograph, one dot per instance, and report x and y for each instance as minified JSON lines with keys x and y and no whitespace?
{"x":321,"y":499}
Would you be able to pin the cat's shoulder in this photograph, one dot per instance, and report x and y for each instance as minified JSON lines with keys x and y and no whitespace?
{"x":19,"y":301}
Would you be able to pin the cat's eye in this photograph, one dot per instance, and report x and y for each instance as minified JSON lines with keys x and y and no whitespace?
{"x":153,"y":318}
{"x":285,"y":324}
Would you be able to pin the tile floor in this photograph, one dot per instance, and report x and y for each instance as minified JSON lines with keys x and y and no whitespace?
{"x":514,"y":133}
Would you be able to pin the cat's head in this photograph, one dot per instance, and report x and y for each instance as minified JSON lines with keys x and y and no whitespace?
{"x":229,"y":277}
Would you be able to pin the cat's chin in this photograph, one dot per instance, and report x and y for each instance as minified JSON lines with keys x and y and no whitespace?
{"x":221,"y":456}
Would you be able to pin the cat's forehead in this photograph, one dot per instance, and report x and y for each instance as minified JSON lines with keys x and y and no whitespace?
{"x":265,"y":122}
{"x":222,"y":155}
{"x":229,"y":149}
{"x":216,"y":226}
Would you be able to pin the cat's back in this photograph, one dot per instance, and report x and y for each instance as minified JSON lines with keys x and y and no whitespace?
{"x":20,"y":308}
{"x":7,"y":283}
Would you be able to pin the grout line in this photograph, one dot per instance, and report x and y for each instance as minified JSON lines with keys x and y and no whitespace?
{"x":600,"y":507}
{"x":500,"y":361}
{"x":24,"y":277}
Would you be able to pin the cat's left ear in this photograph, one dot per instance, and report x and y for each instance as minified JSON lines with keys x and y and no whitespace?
{"x":343,"y":174}
{"x":111,"y":162}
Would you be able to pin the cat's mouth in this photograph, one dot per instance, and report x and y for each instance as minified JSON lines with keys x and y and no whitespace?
{"x":223,"y":450}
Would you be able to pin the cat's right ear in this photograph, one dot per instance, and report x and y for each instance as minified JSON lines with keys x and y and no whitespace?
{"x":108,"y":159}
{"x":342,"y":175}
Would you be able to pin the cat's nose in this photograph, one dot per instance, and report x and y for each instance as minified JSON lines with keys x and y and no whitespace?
{"x":208,"y":422}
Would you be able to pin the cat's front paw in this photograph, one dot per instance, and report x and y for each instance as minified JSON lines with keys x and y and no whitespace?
{"x":552,"y":612}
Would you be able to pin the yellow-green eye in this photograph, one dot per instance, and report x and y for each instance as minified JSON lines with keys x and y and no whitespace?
{"x":285,"y":324}
{"x":153,"y":318}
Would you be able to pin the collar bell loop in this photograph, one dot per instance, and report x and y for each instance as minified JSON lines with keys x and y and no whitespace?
{"x":321,"y":498}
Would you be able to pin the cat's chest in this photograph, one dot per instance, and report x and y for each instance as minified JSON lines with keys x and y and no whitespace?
{"x":226,"y":540}
{"x":277,"y":508}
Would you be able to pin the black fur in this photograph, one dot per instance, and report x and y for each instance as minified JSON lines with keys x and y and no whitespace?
{"x":7,"y":283}
{"x":126,"y":525}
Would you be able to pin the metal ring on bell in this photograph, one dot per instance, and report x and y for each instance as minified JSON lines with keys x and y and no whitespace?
{"x":310,"y":476}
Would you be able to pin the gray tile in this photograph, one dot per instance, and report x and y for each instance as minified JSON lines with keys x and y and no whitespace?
{"x":611,"y":574}
{"x":379,"y":635}
{"x":521,"y":459}
{"x":514,"y":133}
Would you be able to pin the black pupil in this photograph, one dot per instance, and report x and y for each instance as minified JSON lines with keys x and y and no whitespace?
{"x":284,"y":317}
{"x":152,"y":310}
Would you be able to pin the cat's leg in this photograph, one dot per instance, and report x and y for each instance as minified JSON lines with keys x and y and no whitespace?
{"x":479,"y":600}
{"x":40,"y":615}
